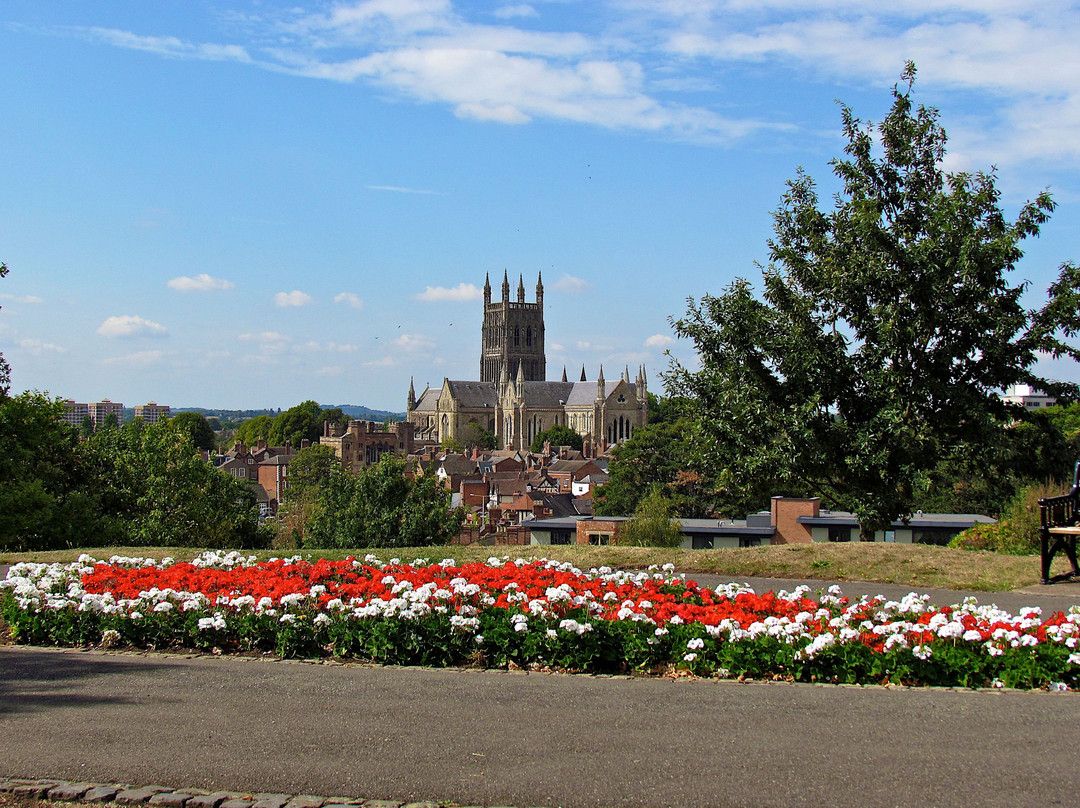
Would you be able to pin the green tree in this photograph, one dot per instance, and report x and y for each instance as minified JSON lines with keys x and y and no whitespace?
{"x":886,"y":328}
{"x":310,"y":469}
{"x":156,"y":490}
{"x":382,"y":507}
{"x":251,"y":431}
{"x":197,"y":428}
{"x":658,"y":454}
{"x":558,"y":435}
{"x":653,"y":523}
{"x":476,"y":435}
{"x":43,"y":502}
{"x":87,"y":428}
{"x":297,"y":424}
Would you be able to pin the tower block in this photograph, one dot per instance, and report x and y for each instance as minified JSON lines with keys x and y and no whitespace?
{"x":513,"y":334}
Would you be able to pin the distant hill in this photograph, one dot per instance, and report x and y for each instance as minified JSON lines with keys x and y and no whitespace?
{"x":357,"y":411}
{"x":361,"y":413}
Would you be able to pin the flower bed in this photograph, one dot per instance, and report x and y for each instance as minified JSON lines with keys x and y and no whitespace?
{"x":533,"y":615}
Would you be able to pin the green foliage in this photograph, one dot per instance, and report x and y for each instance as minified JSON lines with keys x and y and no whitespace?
{"x":310,"y":469}
{"x":1017,"y":532}
{"x":251,"y":431}
{"x":196,"y":426}
{"x":156,"y":490}
{"x":558,"y":435}
{"x":382,"y":507}
{"x":43,"y":504}
{"x":885,"y":329}
{"x":664,"y":410}
{"x":652,"y":524}
{"x":296,"y":424}
{"x":476,"y":435}
{"x":661,"y":454}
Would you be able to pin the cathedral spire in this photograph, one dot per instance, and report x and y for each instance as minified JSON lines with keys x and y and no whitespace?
{"x":539,"y":289}
{"x":564,"y":373}
{"x":412,"y":395}
{"x":487,"y":289}
{"x":521,"y":289}
{"x":601,"y":390}
{"x":583,"y":379}
{"x":505,"y":288}
{"x":521,"y":379}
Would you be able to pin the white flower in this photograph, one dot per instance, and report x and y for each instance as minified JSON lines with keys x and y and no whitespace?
{"x":696,"y":644}
{"x":689,"y":657}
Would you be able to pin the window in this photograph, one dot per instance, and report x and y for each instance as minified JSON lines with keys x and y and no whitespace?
{"x":837,"y":533}
{"x":933,"y":535}
{"x":241,"y":473}
{"x":749,"y":541}
{"x":561,"y":537}
{"x":599,"y":539}
{"x":702,"y":542}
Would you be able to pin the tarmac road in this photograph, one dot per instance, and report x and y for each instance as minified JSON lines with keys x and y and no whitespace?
{"x":499,"y":738}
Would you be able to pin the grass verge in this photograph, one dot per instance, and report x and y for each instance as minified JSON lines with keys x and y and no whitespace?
{"x":913,"y":565}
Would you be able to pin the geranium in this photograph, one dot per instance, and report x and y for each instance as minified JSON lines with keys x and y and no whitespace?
{"x":533,"y":614}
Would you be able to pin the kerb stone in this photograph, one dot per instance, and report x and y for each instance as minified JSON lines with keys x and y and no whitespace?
{"x":213,"y":800}
{"x":306,"y":801}
{"x":171,"y":799}
{"x":270,"y":800}
{"x":102,"y":793}
{"x":71,"y":791}
{"x":138,"y":796}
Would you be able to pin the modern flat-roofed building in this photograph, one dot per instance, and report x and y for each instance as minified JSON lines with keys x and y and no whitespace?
{"x":100,"y":411}
{"x":152,"y":412}
{"x":75,"y":414}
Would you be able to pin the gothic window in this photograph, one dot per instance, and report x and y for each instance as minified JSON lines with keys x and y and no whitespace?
{"x":528,"y":336}
{"x":517,"y":337}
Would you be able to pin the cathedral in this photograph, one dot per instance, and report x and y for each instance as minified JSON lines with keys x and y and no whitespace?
{"x":513,"y":398}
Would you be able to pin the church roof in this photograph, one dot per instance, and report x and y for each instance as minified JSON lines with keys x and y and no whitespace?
{"x":547,"y":394}
{"x":473,"y":394}
{"x":584,"y":393}
{"x":429,"y":400}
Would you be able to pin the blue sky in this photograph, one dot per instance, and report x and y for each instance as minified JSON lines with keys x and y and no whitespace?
{"x":248,"y":204}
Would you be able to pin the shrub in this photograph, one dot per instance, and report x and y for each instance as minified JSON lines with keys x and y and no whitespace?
{"x":1017,"y":532}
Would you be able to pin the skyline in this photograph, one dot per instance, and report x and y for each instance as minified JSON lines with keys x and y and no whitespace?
{"x":246,"y":205}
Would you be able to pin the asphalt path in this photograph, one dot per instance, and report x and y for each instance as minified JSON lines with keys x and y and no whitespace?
{"x":514,"y":738}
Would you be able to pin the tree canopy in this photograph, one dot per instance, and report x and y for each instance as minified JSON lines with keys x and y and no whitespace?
{"x":557,"y":435}
{"x":196,"y":426}
{"x":885,"y":329}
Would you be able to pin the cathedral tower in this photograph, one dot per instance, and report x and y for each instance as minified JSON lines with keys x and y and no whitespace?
{"x":513,"y":334}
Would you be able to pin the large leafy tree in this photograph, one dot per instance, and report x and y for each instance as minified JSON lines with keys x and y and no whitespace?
{"x":884,"y":329}
{"x":382,"y":507}
{"x":195,"y":425}
{"x":296,"y":424}
{"x":557,"y":435}
{"x":661,"y":456}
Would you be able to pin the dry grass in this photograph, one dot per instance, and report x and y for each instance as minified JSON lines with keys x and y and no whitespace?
{"x":905,"y":564}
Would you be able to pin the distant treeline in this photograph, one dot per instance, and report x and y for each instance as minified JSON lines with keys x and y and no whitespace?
{"x":357,"y":411}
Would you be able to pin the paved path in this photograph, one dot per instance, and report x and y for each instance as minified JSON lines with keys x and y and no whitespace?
{"x":497,"y":738}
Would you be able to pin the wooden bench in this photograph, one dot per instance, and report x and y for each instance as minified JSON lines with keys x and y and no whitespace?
{"x":1059,"y":530}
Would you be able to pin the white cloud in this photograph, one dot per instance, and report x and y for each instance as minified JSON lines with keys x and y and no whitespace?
{"x":398,"y":189}
{"x":330,"y":370}
{"x":659,"y":341}
{"x":294,"y":298}
{"x":270,"y":342}
{"x":140,"y":359}
{"x":461,"y":292}
{"x":169,"y":46}
{"x":509,"y":12}
{"x":350,"y":298}
{"x":415,"y":343}
{"x":570,"y":284}
{"x":37,"y":347}
{"x":583,"y":345}
{"x":314,"y":346}
{"x":22,"y":298}
{"x":385,"y":362}
{"x":200,"y":283}
{"x":130,"y":325}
